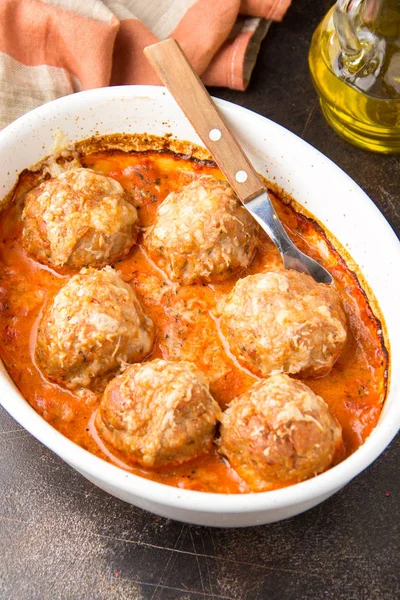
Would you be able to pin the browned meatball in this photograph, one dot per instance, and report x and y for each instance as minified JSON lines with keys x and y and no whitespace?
{"x":202,"y":233}
{"x":92,"y":325}
{"x":279,"y":432}
{"x":159,"y":413}
{"x":284,"y":321}
{"x":79,"y":218}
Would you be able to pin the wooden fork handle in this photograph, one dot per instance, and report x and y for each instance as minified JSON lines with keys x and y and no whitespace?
{"x":171,"y":65}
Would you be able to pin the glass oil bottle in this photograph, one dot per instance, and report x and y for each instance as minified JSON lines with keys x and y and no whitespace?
{"x":355,"y":66}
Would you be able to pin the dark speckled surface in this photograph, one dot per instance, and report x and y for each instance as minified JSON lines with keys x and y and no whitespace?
{"x":62,"y":538}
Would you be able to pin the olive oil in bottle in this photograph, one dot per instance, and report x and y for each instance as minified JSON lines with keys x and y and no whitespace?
{"x":355,"y":67}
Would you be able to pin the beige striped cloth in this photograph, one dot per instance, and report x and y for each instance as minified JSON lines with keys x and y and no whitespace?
{"x":50,"y":48}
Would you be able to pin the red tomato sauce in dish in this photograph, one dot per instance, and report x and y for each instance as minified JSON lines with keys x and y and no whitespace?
{"x":183,"y":318}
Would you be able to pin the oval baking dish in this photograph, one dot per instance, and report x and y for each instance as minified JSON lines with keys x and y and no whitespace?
{"x":303,"y":173}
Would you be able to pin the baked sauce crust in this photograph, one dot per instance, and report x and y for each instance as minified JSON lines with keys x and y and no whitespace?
{"x":184,"y":318}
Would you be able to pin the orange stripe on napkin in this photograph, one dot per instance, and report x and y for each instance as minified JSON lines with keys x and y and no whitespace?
{"x":35,"y":33}
{"x":208,"y":20}
{"x":226,"y":69}
{"x":130,"y":66}
{"x":269,"y":9}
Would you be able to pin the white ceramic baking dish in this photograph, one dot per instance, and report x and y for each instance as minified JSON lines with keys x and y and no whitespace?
{"x":302,"y":171}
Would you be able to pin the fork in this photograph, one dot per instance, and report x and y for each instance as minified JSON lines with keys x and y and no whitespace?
{"x":172,"y":66}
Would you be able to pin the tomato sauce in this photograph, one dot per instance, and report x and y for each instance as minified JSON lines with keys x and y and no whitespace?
{"x":184,"y":320}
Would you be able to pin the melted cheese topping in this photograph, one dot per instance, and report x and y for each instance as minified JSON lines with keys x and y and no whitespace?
{"x":78,"y":207}
{"x":202,"y":232}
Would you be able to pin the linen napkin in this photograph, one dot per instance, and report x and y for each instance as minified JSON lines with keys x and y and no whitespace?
{"x":51,"y":48}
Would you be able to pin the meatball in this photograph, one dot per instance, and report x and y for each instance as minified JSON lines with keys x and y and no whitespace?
{"x":284,"y":321}
{"x":202,"y":233}
{"x":279,"y":432}
{"x":159,"y":413}
{"x":79,"y":218}
{"x":92,"y":325}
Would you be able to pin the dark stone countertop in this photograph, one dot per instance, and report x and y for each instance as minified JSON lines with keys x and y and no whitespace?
{"x":62,"y":538}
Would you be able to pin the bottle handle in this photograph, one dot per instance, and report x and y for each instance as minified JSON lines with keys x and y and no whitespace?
{"x":344,"y":20}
